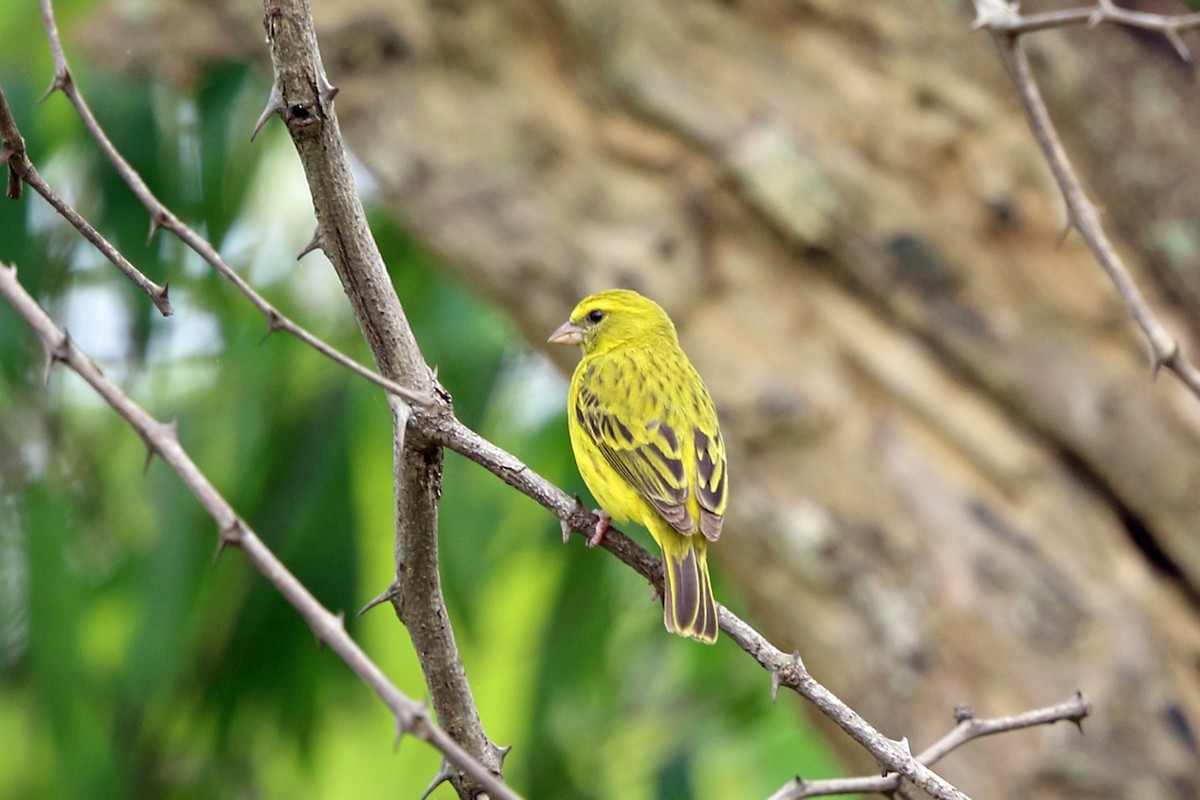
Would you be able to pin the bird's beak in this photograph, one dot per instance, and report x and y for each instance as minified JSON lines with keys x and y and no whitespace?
{"x":567,"y":333}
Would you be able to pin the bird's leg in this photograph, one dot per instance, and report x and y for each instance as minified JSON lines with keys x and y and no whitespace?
{"x":603,"y":520}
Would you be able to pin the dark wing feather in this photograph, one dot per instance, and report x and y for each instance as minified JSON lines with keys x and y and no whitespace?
{"x":642,"y":447}
{"x":712,"y":488}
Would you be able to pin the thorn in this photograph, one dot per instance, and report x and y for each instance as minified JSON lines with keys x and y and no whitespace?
{"x":902,"y":743}
{"x":1176,"y":41}
{"x":777,"y":675}
{"x":274,"y":106}
{"x":59,"y":352}
{"x":160,"y":297}
{"x":400,"y":731}
{"x":405,"y":723}
{"x":566,"y":525}
{"x":963,"y":713}
{"x":1066,"y":231}
{"x":444,"y":773}
{"x":60,"y":81}
{"x":391,"y":592}
{"x":231,"y":535}
{"x":313,"y":244}
{"x":404,"y":415}
{"x":13,"y":191}
{"x":1159,"y":359}
{"x":1087,"y":709}
{"x":501,"y":752}
{"x":327,"y":89}
{"x":169,"y":430}
{"x":156,"y":221}
{"x":603,"y":521}
{"x":274,"y":323}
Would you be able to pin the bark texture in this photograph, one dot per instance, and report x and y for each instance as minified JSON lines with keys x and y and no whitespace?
{"x":954,"y":480}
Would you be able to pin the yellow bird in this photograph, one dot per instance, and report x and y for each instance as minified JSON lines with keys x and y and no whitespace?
{"x":646,"y":439}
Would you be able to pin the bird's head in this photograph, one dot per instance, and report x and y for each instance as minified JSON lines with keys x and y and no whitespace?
{"x":614,"y":318}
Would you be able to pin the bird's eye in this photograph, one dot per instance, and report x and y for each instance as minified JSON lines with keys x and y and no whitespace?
{"x":595,"y":315}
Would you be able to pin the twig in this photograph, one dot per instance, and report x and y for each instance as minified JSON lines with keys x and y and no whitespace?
{"x":20,"y":168}
{"x":968,"y":729}
{"x":785,"y":670}
{"x":161,"y":439}
{"x":998,"y":18}
{"x":162,"y":217}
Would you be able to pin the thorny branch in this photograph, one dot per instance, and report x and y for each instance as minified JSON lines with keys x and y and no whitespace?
{"x":21,"y":169}
{"x":999,"y":16}
{"x":436,"y":421}
{"x":302,"y":95}
{"x":162,"y":440}
{"x":1006,"y":25}
{"x":967,"y":729}
{"x":163,"y":217}
{"x":785,"y":669}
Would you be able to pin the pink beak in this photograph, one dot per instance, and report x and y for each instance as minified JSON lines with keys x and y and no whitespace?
{"x":567,"y":333}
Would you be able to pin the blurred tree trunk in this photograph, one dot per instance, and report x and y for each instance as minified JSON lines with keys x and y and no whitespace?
{"x":954,"y":480}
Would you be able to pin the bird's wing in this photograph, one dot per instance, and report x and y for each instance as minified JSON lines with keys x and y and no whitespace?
{"x":712,"y":487}
{"x":648,"y":451}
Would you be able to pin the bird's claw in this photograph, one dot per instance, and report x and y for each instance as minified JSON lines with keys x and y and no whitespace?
{"x":603,"y":520}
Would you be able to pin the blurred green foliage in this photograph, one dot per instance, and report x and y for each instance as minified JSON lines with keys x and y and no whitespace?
{"x":134,"y":665}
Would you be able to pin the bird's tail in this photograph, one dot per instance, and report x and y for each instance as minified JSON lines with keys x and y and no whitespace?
{"x":688,"y":605}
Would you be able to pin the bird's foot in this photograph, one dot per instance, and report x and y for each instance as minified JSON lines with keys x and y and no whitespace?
{"x":603,"y":520}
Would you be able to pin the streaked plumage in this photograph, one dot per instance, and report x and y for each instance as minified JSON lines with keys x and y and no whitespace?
{"x":646,"y":439}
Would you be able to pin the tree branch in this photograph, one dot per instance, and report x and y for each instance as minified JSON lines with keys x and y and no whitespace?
{"x":785,"y":670}
{"x":161,"y":439}
{"x":968,"y":728}
{"x":1001,"y":20}
{"x":163,"y":217}
{"x":999,"y":17}
{"x":20,"y":168}
{"x":303,"y":96}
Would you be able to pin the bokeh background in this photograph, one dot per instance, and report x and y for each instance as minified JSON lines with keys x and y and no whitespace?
{"x":953,"y":479}
{"x":134,"y":664}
